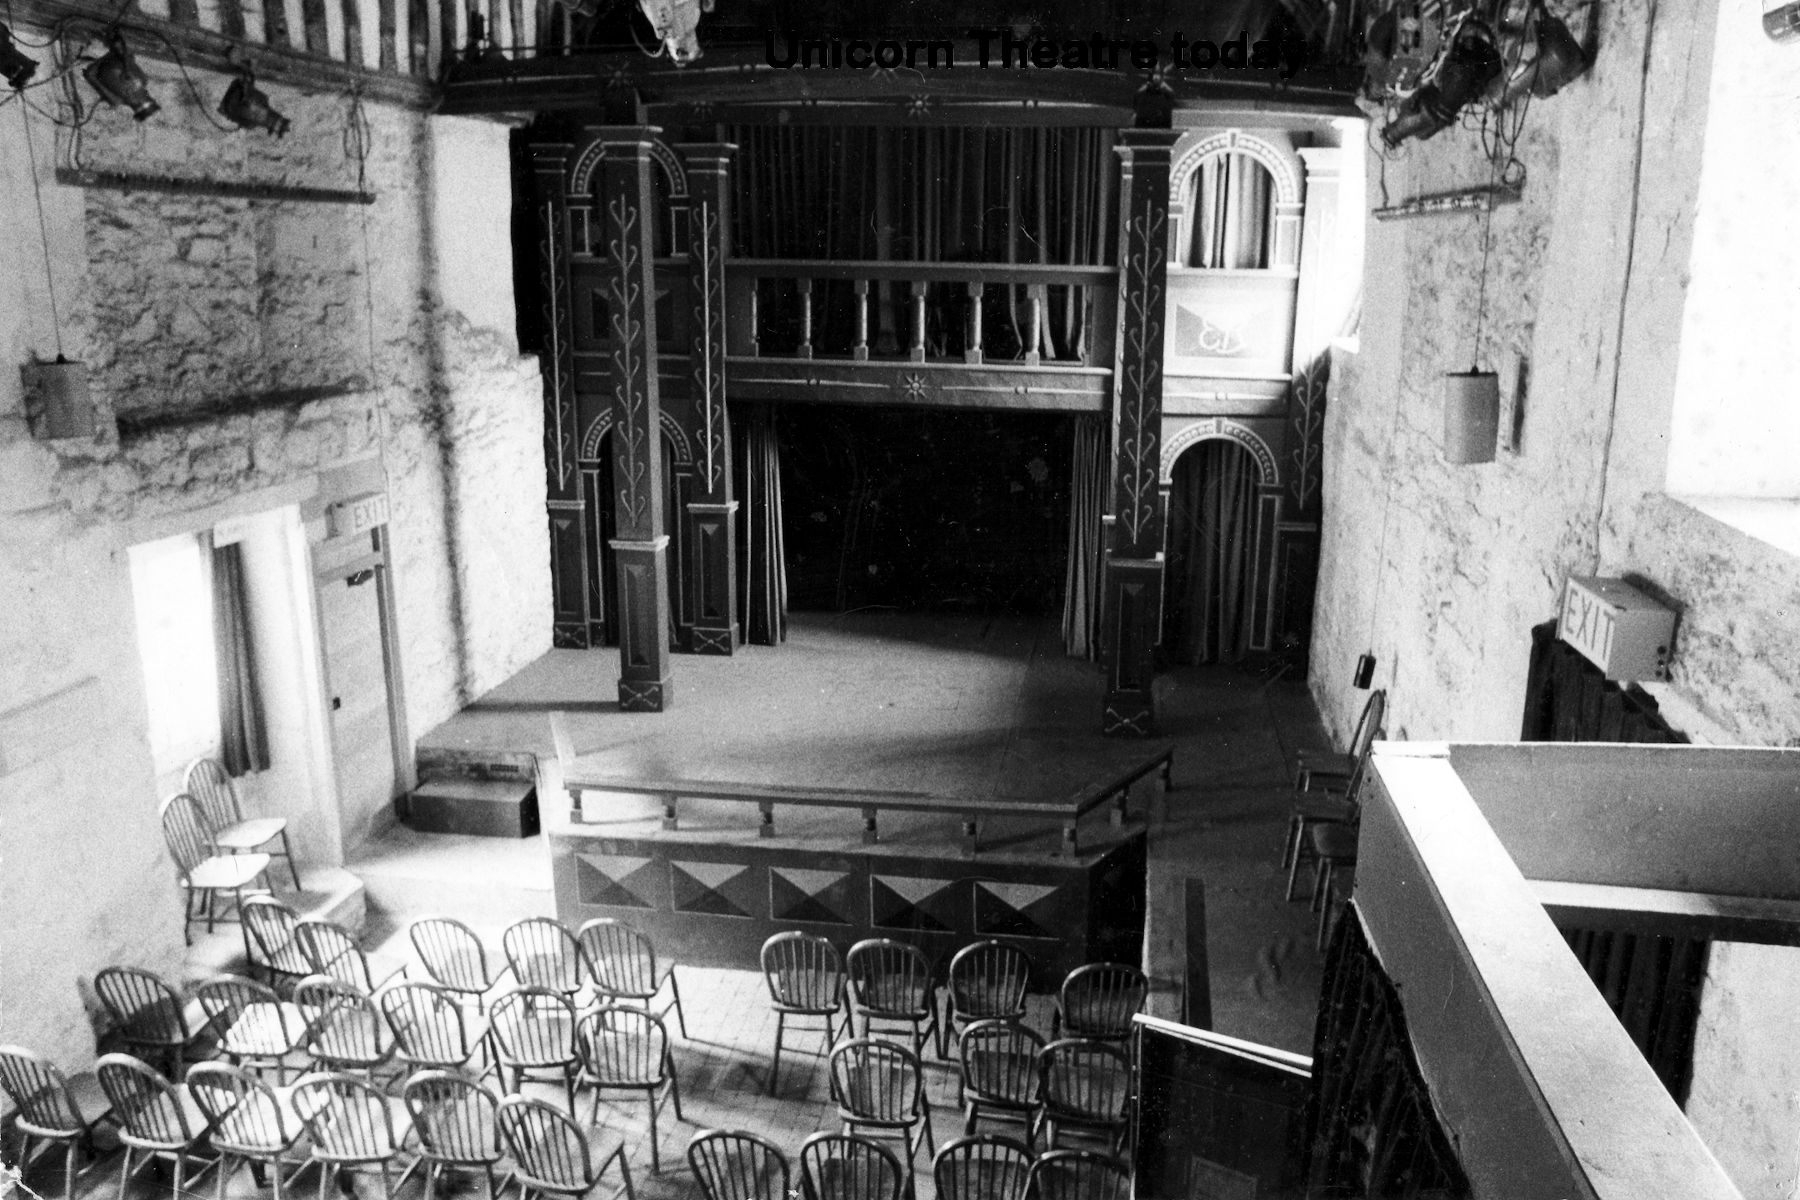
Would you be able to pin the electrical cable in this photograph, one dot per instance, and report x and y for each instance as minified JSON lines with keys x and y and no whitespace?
{"x":37,"y":190}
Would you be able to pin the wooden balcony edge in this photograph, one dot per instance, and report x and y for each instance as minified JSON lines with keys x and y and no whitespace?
{"x":213,"y":51}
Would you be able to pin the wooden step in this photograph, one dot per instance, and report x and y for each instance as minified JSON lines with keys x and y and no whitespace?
{"x":481,"y":807}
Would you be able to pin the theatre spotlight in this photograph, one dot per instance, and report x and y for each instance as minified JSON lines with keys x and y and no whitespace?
{"x":1559,"y":59}
{"x":246,"y":107}
{"x":119,"y":80}
{"x":15,"y":68}
{"x":1468,"y":69}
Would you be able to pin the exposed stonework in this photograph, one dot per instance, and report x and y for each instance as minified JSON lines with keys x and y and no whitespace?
{"x":1588,"y":274}
{"x":179,"y":302}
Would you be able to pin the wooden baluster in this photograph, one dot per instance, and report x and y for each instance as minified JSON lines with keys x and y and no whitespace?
{"x":972,"y":352}
{"x":971,"y":834}
{"x":755,"y":321}
{"x":871,"y":825}
{"x":860,"y":351}
{"x":767,"y":826}
{"x":917,"y":353}
{"x":1034,"y":308}
{"x":671,"y":817}
{"x":804,"y":350}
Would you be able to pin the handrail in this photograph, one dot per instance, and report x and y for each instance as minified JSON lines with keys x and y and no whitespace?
{"x":670,"y":791}
{"x":930,"y":272}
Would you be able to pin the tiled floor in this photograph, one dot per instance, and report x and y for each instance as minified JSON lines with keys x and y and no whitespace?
{"x":1234,"y":734}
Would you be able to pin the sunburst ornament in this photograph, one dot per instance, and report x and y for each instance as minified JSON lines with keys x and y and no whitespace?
{"x":920,"y":105}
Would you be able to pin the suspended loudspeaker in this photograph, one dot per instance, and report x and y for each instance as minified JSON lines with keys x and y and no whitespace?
{"x":1471,"y":416}
{"x":57,"y":401}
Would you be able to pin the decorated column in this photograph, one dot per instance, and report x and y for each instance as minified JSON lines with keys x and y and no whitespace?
{"x":568,"y":519}
{"x":1134,"y":560}
{"x":641,"y":545}
{"x":711,"y":531}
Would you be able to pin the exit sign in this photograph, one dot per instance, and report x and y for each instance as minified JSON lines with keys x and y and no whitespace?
{"x":359,"y":514}
{"x":1616,"y":627}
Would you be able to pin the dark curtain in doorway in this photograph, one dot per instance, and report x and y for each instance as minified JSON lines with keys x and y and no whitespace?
{"x":1652,"y":983}
{"x":243,"y":736}
{"x":762,"y":551}
{"x":1232,"y":200}
{"x":1212,"y":522}
{"x":1087,"y":500}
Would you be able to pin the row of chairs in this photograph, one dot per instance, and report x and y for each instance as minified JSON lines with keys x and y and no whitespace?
{"x":890,"y":987}
{"x":735,"y":1165}
{"x":1326,"y":813}
{"x":216,"y":848}
{"x":223,"y":1117}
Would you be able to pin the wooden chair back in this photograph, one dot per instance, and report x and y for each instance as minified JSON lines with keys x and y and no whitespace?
{"x":981,"y":1167}
{"x":544,"y":954}
{"x":146,"y":1107}
{"x":1000,"y":1061}
{"x":622,"y":959}
{"x":890,"y":979}
{"x":1099,"y":1000}
{"x":989,"y":979}
{"x":1078,"y":1175}
{"x":804,"y":972}
{"x":735,"y":1165}
{"x":877,"y":1082}
{"x":188,"y":833}
{"x":452,"y":955}
{"x":243,"y":1111}
{"x":456,"y":1118}
{"x":427,"y":1023}
{"x":211,"y":787}
{"x":145,"y":1010}
{"x":842,"y":1166}
{"x":40,"y":1094}
{"x":348,"y":1118}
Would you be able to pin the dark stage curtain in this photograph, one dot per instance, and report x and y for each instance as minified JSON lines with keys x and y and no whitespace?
{"x":1231,"y":198}
{"x":243,"y":737}
{"x":1371,"y":1125}
{"x":1087,"y":500}
{"x":762,"y":553}
{"x":1652,"y":983}
{"x":929,"y":195}
{"x":1212,"y":516}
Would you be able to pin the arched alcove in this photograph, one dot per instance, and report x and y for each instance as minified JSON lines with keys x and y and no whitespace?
{"x":1212,"y":553}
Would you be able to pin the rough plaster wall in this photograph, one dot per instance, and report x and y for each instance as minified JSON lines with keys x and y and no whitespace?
{"x":179,"y":301}
{"x":1473,"y":556}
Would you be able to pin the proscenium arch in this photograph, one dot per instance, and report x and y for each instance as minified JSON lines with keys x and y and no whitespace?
{"x":678,"y":438}
{"x":1281,"y":162}
{"x":1220,"y":427}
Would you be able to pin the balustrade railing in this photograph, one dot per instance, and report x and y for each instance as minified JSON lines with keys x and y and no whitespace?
{"x":1063,"y":815}
{"x":974,"y":313}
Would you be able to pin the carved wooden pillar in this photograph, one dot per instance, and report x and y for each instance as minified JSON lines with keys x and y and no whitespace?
{"x":568,"y":544}
{"x":641,"y":545}
{"x":711,"y":529}
{"x":1134,"y":559}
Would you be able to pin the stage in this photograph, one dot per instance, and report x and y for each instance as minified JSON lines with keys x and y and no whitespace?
{"x":953,"y":720}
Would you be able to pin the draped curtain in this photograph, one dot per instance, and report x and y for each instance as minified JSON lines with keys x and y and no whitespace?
{"x":1231,"y":200}
{"x":1000,"y":195}
{"x":762,"y":553}
{"x":1087,"y":500}
{"x":1212,"y":514}
{"x":1651,"y":983}
{"x":243,"y":736}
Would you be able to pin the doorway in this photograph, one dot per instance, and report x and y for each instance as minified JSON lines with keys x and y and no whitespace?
{"x":1208,"y":607}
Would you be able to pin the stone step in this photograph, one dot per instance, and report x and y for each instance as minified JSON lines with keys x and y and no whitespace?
{"x":479,"y":807}
{"x":487,"y":883}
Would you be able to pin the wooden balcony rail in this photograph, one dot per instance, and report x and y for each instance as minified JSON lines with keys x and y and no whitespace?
{"x":1066,"y":813}
{"x":806,"y":308}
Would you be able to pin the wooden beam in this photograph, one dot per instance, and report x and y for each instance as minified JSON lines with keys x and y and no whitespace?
{"x":205,"y":49}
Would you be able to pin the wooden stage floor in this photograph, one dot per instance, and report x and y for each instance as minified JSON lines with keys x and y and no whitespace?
{"x":986,"y":709}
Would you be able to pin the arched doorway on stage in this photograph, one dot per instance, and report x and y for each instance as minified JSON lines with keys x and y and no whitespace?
{"x":602,"y":528}
{"x":1211,"y":551}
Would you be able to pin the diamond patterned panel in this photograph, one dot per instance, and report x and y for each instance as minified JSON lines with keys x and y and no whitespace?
{"x":619,"y":880}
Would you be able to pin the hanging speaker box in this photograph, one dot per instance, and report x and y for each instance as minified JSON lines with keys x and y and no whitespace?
{"x":1471,"y":416}
{"x":57,"y":401}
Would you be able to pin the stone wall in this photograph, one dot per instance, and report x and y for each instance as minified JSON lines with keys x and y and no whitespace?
{"x":183,"y":305}
{"x":1441,"y":570}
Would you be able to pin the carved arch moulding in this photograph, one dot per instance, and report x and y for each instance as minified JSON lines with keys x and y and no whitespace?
{"x":1282,"y":163}
{"x":602,"y":425}
{"x":581,"y":175}
{"x":1219,"y":427}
